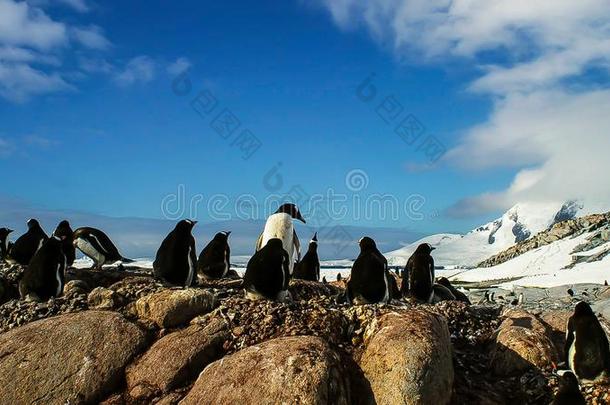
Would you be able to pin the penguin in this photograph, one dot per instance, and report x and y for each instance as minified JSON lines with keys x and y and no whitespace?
{"x":521,"y":299}
{"x":587,"y":351}
{"x":65,"y":233}
{"x":4,"y":244}
{"x":441,"y":293}
{"x":570,"y":292}
{"x":26,"y":245}
{"x":215,"y":259}
{"x":279,"y":225}
{"x":369,"y":281}
{"x":96,"y":245}
{"x":309,"y":267}
{"x":460,"y":296}
{"x":43,"y":278}
{"x":606,"y":283}
{"x":569,"y":391}
{"x":267,"y":273}
{"x":176,"y":259}
{"x":324,"y":280}
{"x":339,"y":277}
{"x":419,"y":274}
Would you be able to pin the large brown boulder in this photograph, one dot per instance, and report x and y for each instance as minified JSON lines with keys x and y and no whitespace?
{"x":407,"y":358}
{"x":556,"y":322}
{"x":171,"y":308}
{"x":522,"y":342}
{"x":176,"y":359}
{"x":72,"y":358}
{"x":295,"y":370}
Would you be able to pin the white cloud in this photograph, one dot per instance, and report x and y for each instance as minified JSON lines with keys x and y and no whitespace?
{"x":554,"y":137}
{"x":19,"y":82}
{"x":23,"y":25}
{"x":140,"y":69}
{"x":91,"y":37}
{"x":178,"y":67}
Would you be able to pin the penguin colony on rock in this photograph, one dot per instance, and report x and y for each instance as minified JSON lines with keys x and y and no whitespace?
{"x":276,"y":260}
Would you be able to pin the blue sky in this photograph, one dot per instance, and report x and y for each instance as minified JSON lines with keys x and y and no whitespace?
{"x":90,"y":121}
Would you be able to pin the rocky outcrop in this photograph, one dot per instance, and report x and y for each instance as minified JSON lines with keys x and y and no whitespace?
{"x":103,"y":298}
{"x":407,"y":358}
{"x":556,"y":232}
{"x":297,"y":370}
{"x":172,"y":307}
{"x":73,"y":358}
{"x":522,"y":342}
{"x":176,"y":359}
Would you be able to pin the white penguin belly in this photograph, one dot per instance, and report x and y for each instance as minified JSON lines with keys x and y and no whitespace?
{"x":87,"y":248}
{"x":572,"y":354}
{"x":280,"y":226}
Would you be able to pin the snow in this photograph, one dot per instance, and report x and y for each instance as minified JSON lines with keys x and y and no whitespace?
{"x":544,"y":267}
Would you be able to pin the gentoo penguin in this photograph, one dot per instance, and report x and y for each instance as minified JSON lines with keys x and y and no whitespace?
{"x":4,"y":232}
{"x":369,"y":281}
{"x":27,"y":244}
{"x":96,"y":245}
{"x":419,"y":274}
{"x":442,"y":293}
{"x":570,"y":292}
{"x":309,"y":267}
{"x":65,"y":233}
{"x":44,"y":276}
{"x":460,"y":296}
{"x":215,"y":259}
{"x":279,"y":225}
{"x":267,"y":273}
{"x":569,"y":391}
{"x":176,"y":259}
{"x":587,"y":351}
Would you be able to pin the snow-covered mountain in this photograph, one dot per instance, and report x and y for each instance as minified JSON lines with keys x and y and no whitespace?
{"x":517,"y":224}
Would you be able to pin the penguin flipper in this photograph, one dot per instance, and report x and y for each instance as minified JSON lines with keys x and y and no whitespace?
{"x":259,"y":242}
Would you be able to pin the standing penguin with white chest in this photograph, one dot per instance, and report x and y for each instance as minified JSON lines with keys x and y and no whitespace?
{"x":27,"y":244}
{"x":44,"y":276}
{"x":309,"y":267}
{"x":176,"y":259}
{"x":587,"y":350}
{"x":267,"y":274}
{"x":279,"y":225}
{"x":4,"y":246}
{"x":369,"y":282}
{"x":96,"y":245}
{"x":215,"y":259}
{"x":418,"y":279}
{"x":65,"y":233}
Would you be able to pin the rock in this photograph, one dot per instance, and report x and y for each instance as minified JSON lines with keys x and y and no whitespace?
{"x":170,"y":308}
{"x":73,"y":358}
{"x":176,"y":359}
{"x":303,"y":290}
{"x":75,"y":287}
{"x":296,"y":370}
{"x":522,"y":342}
{"x":556,"y":323}
{"x":407,"y":358}
{"x":103,"y":298}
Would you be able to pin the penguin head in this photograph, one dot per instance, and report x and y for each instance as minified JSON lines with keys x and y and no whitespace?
{"x":582,"y":308}
{"x":222,"y":236}
{"x":186,"y":225}
{"x":444,"y":281}
{"x":367,"y":243}
{"x":292,"y":210}
{"x":568,"y":380}
{"x":4,"y":232}
{"x":33,"y":223}
{"x":314,"y":240}
{"x":425,"y":248}
{"x":63,"y":229}
{"x":275,"y":243}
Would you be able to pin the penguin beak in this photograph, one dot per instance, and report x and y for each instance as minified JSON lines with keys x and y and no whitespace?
{"x":432,"y":248}
{"x":10,"y":230}
{"x":300,"y":217}
{"x":227,"y":233}
{"x":315,"y":237}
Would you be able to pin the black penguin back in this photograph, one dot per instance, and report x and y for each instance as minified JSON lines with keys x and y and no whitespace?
{"x":64,"y":231}
{"x":176,"y":255}
{"x":44,"y":277}
{"x":267,"y":271}
{"x":215,"y":257}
